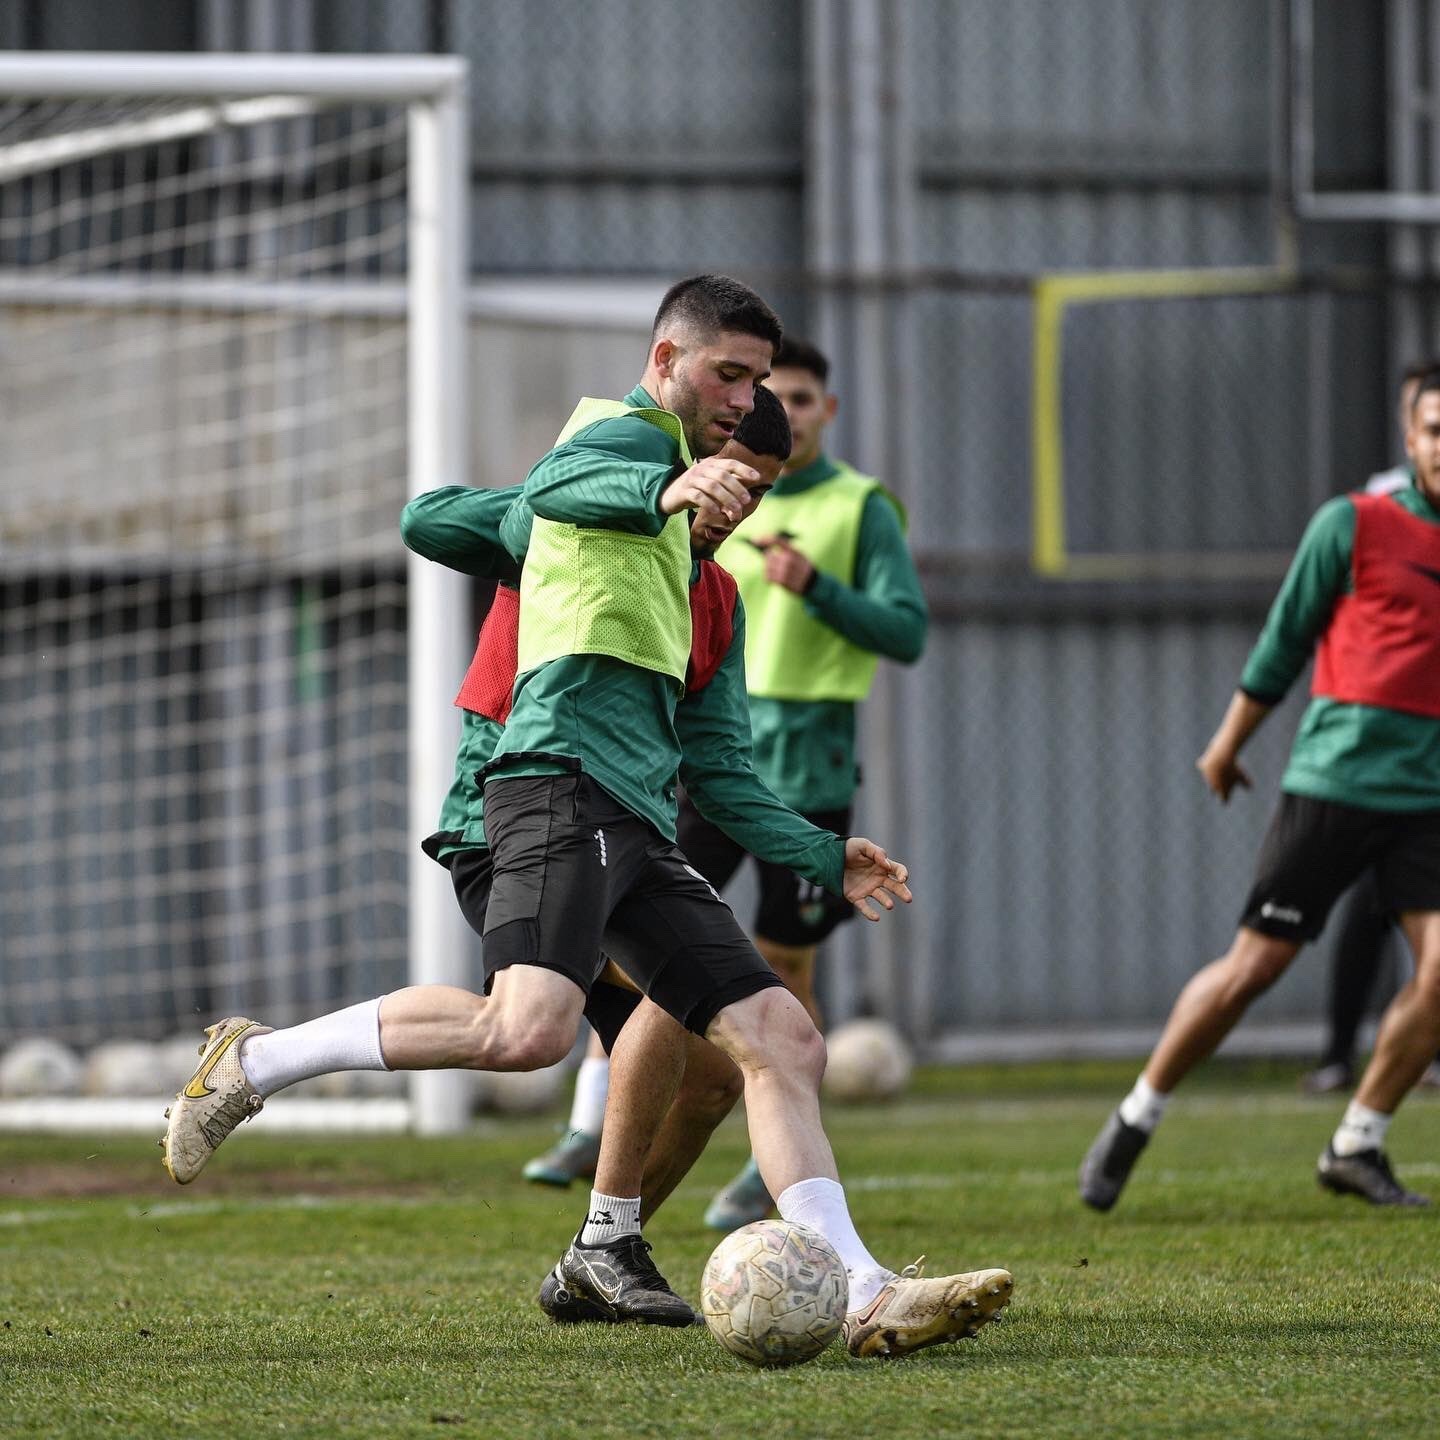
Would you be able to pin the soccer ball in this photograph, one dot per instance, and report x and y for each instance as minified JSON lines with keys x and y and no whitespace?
{"x":40,"y":1066}
{"x":774,"y":1293}
{"x":867,"y":1061}
{"x":525,"y":1092}
{"x":125,"y":1067}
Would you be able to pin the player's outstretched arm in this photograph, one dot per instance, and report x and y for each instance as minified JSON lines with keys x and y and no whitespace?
{"x":458,"y":526}
{"x":870,"y":874}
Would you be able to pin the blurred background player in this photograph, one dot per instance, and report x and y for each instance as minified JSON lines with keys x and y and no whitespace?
{"x":828,"y":586}
{"x":1362,"y":790}
{"x":1365,"y":929}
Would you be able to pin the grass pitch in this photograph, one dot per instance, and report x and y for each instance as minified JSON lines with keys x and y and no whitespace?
{"x":386,"y":1286}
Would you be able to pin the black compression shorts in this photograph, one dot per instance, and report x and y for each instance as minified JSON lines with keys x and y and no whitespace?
{"x":792,"y":910}
{"x":607,"y":1007}
{"x":1314,"y":850}
{"x":575,"y":870}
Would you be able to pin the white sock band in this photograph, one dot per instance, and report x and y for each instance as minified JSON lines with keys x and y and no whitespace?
{"x":592,"y":1085}
{"x":820,"y":1204}
{"x":1143,"y":1106}
{"x":610,"y":1217}
{"x":1360,"y":1129}
{"x":346,"y":1039}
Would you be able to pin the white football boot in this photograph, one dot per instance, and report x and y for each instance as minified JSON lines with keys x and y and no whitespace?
{"x":911,"y":1312}
{"x":216,"y":1098}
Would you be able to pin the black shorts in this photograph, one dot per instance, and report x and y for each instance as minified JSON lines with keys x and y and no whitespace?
{"x":792,"y":910}
{"x":1315,"y":850}
{"x":574,"y":870}
{"x":607,"y":1007}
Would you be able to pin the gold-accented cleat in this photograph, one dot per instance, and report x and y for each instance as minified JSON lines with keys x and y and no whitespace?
{"x":216,"y":1098}
{"x":911,"y":1313}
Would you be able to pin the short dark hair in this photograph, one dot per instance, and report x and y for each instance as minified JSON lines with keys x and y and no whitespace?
{"x":766,"y":429}
{"x":1428,"y":381}
{"x":802,"y":355}
{"x":712,"y":304}
{"x":1418,"y":370}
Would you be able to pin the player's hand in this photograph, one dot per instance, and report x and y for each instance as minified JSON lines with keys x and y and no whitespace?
{"x":785,"y":565}
{"x":722,"y":486}
{"x":1222,"y":772}
{"x":870,"y":874}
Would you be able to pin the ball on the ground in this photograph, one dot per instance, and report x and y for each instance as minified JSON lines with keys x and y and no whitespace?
{"x":40,"y":1066}
{"x":178,"y":1056}
{"x":525,"y":1092}
{"x":867,"y":1061}
{"x":774,"y":1293}
{"x":125,"y":1067}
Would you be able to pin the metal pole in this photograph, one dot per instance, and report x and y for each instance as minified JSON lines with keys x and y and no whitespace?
{"x":333,"y":77}
{"x":439,"y":631}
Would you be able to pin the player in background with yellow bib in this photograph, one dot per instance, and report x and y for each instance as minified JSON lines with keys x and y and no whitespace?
{"x":829,"y":588}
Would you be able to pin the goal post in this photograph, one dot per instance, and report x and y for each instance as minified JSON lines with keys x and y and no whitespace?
{"x":232,"y":343}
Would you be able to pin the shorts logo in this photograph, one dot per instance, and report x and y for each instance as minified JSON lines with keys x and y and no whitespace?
{"x":810,"y":902}
{"x":1286,"y":913}
{"x":600,"y":836}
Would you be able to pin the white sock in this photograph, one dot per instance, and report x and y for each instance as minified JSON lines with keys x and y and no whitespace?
{"x":1143,"y":1106}
{"x":346,"y":1039}
{"x":820,"y":1204}
{"x":610,"y":1218}
{"x":592,"y":1085}
{"x":1360,"y":1129}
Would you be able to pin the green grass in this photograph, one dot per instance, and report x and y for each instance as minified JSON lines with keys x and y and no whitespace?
{"x":385,"y":1286}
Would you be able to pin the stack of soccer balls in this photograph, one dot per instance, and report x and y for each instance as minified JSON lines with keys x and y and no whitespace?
{"x":774,"y":1293}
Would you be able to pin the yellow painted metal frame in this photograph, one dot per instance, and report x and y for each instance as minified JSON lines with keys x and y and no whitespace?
{"x":1052,"y":296}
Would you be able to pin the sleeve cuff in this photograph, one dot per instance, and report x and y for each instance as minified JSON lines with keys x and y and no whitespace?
{"x":1261,"y":697}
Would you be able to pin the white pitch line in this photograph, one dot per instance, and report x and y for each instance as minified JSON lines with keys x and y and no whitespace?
{"x":181,"y":1209}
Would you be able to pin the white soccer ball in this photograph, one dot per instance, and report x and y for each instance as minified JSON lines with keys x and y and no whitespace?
{"x":867,"y":1061}
{"x":774,"y":1293}
{"x":178,"y":1057}
{"x":525,"y":1092}
{"x":40,"y":1066}
{"x":126,"y":1067}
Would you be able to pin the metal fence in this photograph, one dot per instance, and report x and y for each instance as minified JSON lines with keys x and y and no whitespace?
{"x":1004,"y":219}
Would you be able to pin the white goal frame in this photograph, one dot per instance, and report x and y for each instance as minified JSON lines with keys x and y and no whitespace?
{"x":433,"y":90}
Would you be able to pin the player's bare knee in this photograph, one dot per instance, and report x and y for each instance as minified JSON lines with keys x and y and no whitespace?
{"x":795,"y":1047}
{"x":1255,"y":963}
{"x":530,"y":1044}
{"x":769,"y":1032}
{"x":1427,"y":982}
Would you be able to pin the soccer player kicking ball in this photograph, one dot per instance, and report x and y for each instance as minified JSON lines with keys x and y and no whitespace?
{"x":1362,"y":789}
{"x":580,"y":801}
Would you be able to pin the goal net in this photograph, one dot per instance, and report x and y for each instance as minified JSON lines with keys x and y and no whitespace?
{"x":208,"y":354}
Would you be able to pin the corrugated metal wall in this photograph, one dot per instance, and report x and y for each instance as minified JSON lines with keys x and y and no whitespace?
{"x":1035,"y":769}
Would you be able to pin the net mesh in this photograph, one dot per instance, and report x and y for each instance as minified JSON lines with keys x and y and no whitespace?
{"x":203,"y":457}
